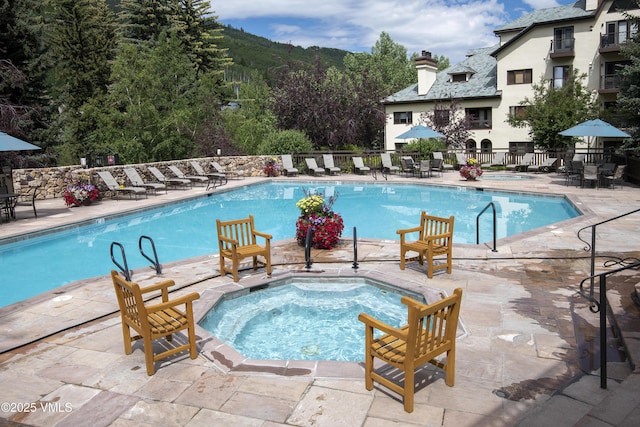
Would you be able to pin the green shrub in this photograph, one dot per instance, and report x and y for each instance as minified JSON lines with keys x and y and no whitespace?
{"x":285,"y":142}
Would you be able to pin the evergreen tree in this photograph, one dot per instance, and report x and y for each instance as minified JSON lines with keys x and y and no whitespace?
{"x":144,"y":20}
{"x":628,"y":101}
{"x":81,"y":39}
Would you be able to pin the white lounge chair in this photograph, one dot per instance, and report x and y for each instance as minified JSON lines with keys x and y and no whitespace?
{"x":175,"y":182}
{"x":193,"y":178}
{"x":137,"y":181}
{"x":437,"y":155}
{"x":526,"y":161}
{"x":359,"y":165}
{"x":287,"y":165}
{"x":313,"y":167}
{"x":329,"y":166}
{"x":387,"y":165}
{"x":498,"y":160}
{"x":113,"y":185}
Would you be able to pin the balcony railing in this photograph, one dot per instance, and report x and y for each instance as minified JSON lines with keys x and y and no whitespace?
{"x":562,"y":47}
{"x":479,"y":123}
{"x":610,"y":42}
{"x":609,"y":83}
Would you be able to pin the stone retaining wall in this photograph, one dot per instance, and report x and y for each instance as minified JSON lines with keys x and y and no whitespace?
{"x":51,"y":183}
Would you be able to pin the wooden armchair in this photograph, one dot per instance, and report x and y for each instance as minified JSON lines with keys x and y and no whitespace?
{"x":154,"y":321}
{"x":237,"y":240}
{"x":430,"y":332}
{"x":435,"y":239}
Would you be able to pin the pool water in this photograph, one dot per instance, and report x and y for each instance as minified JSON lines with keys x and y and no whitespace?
{"x":304,"y":320}
{"x":187,"y":229}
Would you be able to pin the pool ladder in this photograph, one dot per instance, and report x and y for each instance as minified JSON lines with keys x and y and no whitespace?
{"x":493,"y":208}
{"x":125,"y":269}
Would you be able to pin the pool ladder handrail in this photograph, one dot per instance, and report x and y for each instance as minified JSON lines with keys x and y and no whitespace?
{"x":493,"y":208}
{"x":125,"y":269}
{"x":307,"y":248}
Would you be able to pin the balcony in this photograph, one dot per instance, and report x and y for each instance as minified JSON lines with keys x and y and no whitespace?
{"x":477,"y":124}
{"x":609,"y":83}
{"x":563,"y":47}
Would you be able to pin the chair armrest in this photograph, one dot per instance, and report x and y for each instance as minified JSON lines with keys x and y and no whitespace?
{"x":228,"y":240}
{"x":165,"y":284}
{"x":185,"y":299}
{"x":408,"y":230}
{"x":376,"y":324}
{"x":263,"y":235}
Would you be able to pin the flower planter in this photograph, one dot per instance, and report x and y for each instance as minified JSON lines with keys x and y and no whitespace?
{"x":317,"y":215}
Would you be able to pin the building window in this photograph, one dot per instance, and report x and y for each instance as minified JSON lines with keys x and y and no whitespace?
{"x":486,"y":146}
{"x":441,"y":117}
{"x":457,"y":78}
{"x":561,"y":74}
{"x":517,"y":110}
{"x":518,"y":77}
{"x":618,"y":32}
{"x":478,"y":118}
{"x":520,"y":147}
{"x":470,"y":147}
{"x":563,"y":39}
{"x":404,"y":117}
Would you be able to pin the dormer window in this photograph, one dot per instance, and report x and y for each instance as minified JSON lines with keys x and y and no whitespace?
{"x":457,"y":78}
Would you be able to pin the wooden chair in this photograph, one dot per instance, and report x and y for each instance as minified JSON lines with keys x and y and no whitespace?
{"x":430,"y":331}
{"x":435,"y":239}
{"x":237,"y":240}
{"x":156,"y":320}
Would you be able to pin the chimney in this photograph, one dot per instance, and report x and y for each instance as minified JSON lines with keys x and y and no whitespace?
{"x":592,"y":4}
{"x":426,"y":67}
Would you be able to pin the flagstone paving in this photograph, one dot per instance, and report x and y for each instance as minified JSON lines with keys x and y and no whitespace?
{"x":527,"y":357}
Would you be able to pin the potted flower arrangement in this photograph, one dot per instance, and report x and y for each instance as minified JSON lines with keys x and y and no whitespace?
{"x":81,"y":193}
{"x":316,"y":213}
{"x":471,"y":170}
{"x":271,"y":167}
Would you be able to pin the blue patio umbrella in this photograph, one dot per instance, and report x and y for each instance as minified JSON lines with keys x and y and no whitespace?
{"x":420,"y":131}
{"x":11,"y":143}
{"x":596,"y":128}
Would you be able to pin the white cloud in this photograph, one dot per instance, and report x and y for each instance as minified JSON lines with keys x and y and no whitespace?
{"x":444,"y":27}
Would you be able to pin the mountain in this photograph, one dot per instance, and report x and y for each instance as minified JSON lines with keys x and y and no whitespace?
{"x":251,"y":52}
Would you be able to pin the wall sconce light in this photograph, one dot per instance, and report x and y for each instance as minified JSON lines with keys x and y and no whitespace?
{"x":218,"y":151}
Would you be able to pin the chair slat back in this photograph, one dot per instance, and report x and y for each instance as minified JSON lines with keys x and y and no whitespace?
{"x":196,"y":167}
{"x":328,"y":160}
{"x":433,"y":327}
{"x":287,"y":161}
{"x":156,"y":172}
{"x":130,"y":301}
{"x":357,"y":161}
{"x":240,"y":230}
{"x":108,"y":179}
{"x":436,"y":226}
{"x":177,"y":171}
{"x":134,"y":176}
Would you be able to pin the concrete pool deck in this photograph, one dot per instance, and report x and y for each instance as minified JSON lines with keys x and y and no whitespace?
{"x":519,"y":364}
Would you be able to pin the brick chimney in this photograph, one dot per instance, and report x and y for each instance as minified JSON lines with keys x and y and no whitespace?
{"x":427,"y":67}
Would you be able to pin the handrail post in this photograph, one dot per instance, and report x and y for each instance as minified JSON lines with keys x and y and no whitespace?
{"x":124,"y":270}
{"x":307,"y":248}
{"x":355,"y":249}
{"x":154,"y":261}
{"x":493,"y":207}
{"x":603,"y":331}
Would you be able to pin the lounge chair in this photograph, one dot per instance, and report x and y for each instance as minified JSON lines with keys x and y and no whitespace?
{"x":193,"y":178}
{"x":461,"y":160}
{"x":431,"y":331}
{"x":287,"y":165}
{"x":137,"y":181}
{"x":228,"y":174}
{"x":437,"y":165}
{"x":237,"y":239}
{"x":424,"y":168}
{"x":437,"y":155}
{"x":154,"y":321}
{"x":498,"y":160}
{"x":215,"y":179}
{"x":359,"y":165}
{"x":329,"y":166}
{"x":546,"y":166}
{"x":312,"y":166}
{"x":169,"y":182}
{"x":435,"y":239}
{"x":524,"y":164}
{"x":113,"y":185}
{"x":387,"y":166}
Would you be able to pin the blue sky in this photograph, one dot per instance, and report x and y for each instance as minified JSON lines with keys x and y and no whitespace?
{"x":443,"y":27}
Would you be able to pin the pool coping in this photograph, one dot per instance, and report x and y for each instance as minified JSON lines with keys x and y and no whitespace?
{"x":229,"y":360}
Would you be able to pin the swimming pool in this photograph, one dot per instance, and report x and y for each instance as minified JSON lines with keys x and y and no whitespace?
{"x":187,"y":229}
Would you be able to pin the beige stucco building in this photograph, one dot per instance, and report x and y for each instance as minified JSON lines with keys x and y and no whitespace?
{"x":491,"y":82}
